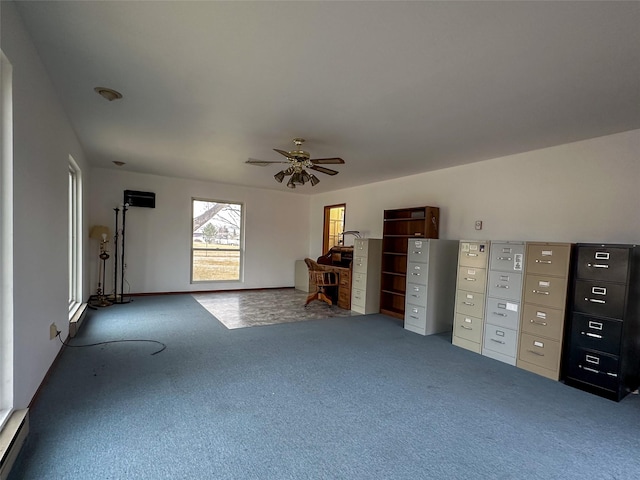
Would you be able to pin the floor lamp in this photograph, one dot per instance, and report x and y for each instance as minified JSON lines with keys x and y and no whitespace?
{"x":119,"y":240}
{"x":101,"y":233}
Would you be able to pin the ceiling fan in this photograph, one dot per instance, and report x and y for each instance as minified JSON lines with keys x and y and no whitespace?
{"x":298,"y":160}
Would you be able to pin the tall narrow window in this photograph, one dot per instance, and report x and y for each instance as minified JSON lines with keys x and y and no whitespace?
{"x":333,"y":226}
{"x":217,"y":241}
{"x":74,"y":237}
{"x":6,"y":241}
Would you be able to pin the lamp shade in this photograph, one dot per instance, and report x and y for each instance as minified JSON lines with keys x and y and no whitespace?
{"x":97,"y":231}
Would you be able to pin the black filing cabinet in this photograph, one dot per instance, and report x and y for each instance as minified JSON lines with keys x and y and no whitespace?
{"x":602,"y":352}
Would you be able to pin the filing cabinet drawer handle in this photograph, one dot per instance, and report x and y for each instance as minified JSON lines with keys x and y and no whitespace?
{"x":593,"y":370}
{"x":537,"y":322}
{"x":548,"y":262}
{"x":536,"y":353}
{"x":540,"y":292}
{"x":592,"y":335}
{"x":413,"y":316}
{"x":469,"y":303}
{"x":469,"y":279}
{"x":466,"y":328}
{"x":414,"y":295}
{"x":417,"y":252}
{"x":597,"y":265}
{"x":416,"y":274}
{"x":592,"y":359}
{"x":595,"y":300}
{"x":472,"y":254}
{"x":502,"y":286}
{"x":497,"y":341}
{"x":504,"y":258}
{"x":500,"y":314}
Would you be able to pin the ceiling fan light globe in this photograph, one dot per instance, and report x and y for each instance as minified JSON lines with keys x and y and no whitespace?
{"x":314,"y":180}
{"x":290,"y":183}
{"x":280,"y":176}
{"x":297,"y":178}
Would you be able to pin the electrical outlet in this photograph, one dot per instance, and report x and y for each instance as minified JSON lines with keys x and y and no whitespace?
{"x":53,"y":331}
{"x":478,"y":224}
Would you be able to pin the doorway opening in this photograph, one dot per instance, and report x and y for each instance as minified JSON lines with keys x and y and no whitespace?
{"x":334,"y":216}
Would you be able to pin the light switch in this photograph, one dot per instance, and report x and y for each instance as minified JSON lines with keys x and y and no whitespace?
{"x":478,"y":224}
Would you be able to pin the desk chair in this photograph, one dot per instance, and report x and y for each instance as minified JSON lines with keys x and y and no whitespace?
{"x":322,"y":277}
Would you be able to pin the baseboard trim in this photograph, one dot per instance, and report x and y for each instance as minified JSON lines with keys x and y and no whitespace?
{"x":193,"y":292}
{"x":12,"y":437}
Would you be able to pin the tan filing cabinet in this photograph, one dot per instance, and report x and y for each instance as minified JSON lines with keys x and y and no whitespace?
{"x":544,"y":298}
{"x":468,"y":322}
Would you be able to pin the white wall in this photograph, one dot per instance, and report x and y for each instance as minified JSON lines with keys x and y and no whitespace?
{"x":579,"y":192}
{"x":158,"y":240}
{"x":586,"y":191}
{"x":43,"y":141}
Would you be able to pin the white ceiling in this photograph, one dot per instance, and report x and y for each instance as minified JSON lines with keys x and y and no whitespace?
{"x":394,"y":88}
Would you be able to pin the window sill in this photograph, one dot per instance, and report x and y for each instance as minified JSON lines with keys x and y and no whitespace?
{"x":12,"y":437}
{"x":76,"y":317}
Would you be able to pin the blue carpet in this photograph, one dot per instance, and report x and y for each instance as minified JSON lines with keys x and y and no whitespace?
{"x":338,"y":398}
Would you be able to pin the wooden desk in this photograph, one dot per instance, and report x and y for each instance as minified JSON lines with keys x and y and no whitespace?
{"x":340,"y":259}
{"x":344,"y":288}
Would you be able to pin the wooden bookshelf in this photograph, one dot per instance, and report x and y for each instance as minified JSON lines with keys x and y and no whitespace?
{"x":399,"y":226}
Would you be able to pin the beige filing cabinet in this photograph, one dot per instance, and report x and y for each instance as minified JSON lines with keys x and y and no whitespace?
{"x":468,"y":321}
{"x":365,"y":280}
{"x":301,"y":276}
{"x":431,"y":285}
{"x":504,"y":301}
{"x":544,"y":298}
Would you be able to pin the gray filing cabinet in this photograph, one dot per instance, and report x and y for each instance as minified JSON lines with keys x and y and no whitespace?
{"x":504,"y":301}
{"x":430,"y":286}
{"x":468,"y":322}
{"x":365,"y":282}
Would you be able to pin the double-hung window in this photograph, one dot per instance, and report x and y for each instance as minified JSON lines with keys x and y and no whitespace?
{"x":217,"y":241}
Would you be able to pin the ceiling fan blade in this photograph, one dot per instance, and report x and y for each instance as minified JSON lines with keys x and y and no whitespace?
{"x":282,"y":152}
{"x":327,"y":161}
{"x":328,"y":171}
{"x":261,"y":163}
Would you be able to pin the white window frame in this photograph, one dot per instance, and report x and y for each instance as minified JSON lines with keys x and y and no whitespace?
{"x":240,"y":248}
{"x":75,"y":237}
{"x":6,"y":240}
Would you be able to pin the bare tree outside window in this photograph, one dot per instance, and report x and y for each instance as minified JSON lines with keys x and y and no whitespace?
{"x":216,"y":253}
